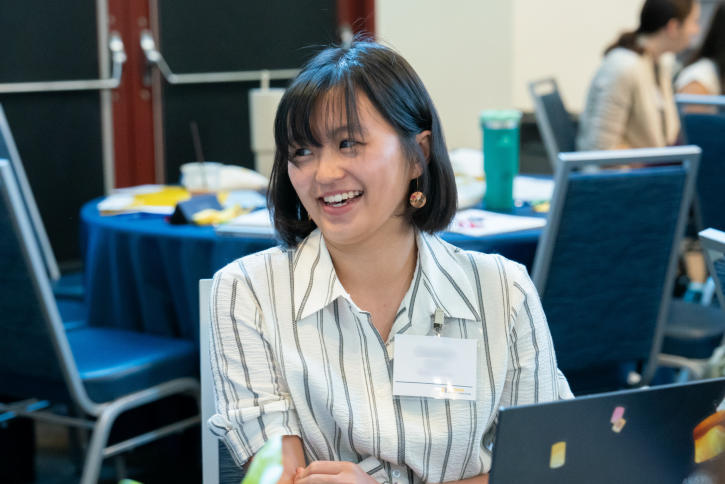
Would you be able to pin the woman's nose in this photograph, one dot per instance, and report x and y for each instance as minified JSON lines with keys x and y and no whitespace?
{"x":329,"y":169}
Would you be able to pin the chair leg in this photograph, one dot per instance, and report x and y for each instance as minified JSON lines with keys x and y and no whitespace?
{"x":94,"y":453}
{"x":121,"y":470}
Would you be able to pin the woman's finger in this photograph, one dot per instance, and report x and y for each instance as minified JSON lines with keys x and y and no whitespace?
{"x":321,"y":479}
{"x":322,"y":467}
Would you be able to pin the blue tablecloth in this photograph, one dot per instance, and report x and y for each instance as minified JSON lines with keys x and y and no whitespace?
{"x":142,"y":273}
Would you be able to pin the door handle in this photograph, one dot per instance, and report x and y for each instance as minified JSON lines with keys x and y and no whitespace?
{"x":154,"y":57}
{"x":118,"y":57}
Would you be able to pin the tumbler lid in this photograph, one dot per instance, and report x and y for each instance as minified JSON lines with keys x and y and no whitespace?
{"x":500,"y":118}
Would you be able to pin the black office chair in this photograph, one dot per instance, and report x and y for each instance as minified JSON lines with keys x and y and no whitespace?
{"x":605,"y":264}
{"x":555,"y":123}
{"x":102,"y":372}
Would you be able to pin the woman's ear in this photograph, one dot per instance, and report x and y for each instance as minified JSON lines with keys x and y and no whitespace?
{"x":423,"y":141}
{"x":674,"y":27}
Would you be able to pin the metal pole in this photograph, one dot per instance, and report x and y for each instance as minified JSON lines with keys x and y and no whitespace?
{"x":109,"y":165}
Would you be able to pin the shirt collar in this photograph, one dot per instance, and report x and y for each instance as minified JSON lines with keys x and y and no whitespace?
{"x":439,"y":282}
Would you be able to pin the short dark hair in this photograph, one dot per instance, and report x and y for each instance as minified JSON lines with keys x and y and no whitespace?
{"x":397,"y":93}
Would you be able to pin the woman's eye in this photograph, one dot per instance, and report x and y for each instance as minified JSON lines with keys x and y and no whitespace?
{"x":301,"y":152}
{"x":347,"y":143}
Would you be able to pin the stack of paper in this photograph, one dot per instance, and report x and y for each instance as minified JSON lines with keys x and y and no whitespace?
{"x":157,"y":199}
{"x":478,"y":223}
{"x":255,"y":223}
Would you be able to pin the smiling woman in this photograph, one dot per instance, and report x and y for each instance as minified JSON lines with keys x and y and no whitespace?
{"x":307,"y":339}
{"x":339,"y":109}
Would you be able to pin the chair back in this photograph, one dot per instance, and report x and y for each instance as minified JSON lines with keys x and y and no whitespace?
{"x":703,"y":124}
{"x":713,"y":245}
{"x":9,"y":151}
{"x":606,"y":261}
{"x":218,"y":465}
{"x":36,"y":358}
{"x":554,"y":121}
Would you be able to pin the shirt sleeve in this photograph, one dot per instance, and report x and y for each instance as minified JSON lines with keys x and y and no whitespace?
{"x":532,"y":375}
{"x":253,"y":402}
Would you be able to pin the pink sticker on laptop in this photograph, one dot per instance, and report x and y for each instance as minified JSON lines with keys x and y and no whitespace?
{"x":618,"y":414}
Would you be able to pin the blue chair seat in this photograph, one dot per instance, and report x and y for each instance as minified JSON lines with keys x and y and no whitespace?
{"x":114,"y":362}
{"x":69,"y":286}
{"x":73,"y":313}
{"x":692,"y":330}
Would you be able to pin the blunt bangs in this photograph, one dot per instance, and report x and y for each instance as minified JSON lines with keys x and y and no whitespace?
{"x":327,"y":91}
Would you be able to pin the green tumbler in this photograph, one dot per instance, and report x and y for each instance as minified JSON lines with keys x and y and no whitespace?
{"x":500,"y":157}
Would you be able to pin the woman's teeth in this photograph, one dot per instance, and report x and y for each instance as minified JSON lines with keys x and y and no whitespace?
{"x":341,"y":198}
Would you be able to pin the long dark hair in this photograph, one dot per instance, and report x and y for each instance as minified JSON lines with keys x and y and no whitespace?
{"x":713,"y":47}
{"x":397,"y":93}
{"x":655,"y":15}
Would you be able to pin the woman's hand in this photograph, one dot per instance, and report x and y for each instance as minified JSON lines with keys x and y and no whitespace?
{"x":326,"y":472}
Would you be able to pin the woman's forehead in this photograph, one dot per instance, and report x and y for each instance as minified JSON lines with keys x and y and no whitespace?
{"x":335,"y":115}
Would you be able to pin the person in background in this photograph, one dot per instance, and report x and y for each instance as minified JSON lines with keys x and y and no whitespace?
{"x":630,"y":102}
{"x":703,"y":73}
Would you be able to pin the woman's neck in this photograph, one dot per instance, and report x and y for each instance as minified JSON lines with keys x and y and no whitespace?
{"x":654,"y":45}
{"x":379,"y":268}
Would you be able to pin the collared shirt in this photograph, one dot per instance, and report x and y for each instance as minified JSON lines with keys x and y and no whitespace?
{"x":293,"y":355}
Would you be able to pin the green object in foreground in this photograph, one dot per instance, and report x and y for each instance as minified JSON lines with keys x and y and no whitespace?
{"x":129,"y":481}
{"x":266,"y":467}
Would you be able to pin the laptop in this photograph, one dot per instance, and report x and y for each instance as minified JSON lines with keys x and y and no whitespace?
{"x":668,"y":434}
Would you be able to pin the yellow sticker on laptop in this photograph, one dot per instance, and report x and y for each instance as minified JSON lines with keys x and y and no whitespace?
{"x":558,"y":455}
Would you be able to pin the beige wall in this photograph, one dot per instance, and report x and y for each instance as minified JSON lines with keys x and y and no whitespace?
{"x":480,"y":54}
{"x":461,"y":50}
{"x":565,"y":39}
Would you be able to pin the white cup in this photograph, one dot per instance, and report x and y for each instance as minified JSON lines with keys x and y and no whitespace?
{"x":201,"y":177}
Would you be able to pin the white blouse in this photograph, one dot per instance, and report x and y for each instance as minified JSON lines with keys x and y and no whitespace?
{"x":704,"y":71}
{"x":293,"y":355}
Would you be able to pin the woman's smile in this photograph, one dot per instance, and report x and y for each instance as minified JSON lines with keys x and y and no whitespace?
{"x":341,"y":202}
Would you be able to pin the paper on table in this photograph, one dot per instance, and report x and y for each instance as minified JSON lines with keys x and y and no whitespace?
{"x":478,"y":223}
{"x":258,"y":218}
{"x":156,"y":199}
{"x":245,"y":199}
{"x":529,"y":189}
{"x":254,"y":223}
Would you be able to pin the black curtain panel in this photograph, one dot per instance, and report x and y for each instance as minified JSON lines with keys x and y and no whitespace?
{"x":58,"y":134}
{"x":230,"y":35}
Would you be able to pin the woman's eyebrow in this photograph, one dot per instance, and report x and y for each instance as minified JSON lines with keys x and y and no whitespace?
{"x":334,"y":133}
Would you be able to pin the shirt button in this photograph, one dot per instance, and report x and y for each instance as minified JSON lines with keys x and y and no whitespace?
{"x":396,"y":473}
{"x":382,"y":393}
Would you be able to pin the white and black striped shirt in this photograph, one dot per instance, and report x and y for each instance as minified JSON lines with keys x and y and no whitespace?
{"x":293,"y":355}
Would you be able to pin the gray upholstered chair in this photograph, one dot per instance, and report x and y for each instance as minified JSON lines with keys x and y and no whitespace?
{"x":555,"y":123}
{"x":102,"y":372}
{"x":606,"y":261}
{"x":218,"y":465}
{"x":68,"y":288}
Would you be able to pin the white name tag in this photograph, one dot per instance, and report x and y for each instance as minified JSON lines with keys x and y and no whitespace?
{"x":426,"y":366}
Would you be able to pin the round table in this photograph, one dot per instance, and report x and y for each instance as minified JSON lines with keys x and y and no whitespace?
{"x":142,"y":273}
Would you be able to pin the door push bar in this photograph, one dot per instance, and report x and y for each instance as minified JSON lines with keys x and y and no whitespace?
{"x":154,"y":57}
{"x":118,"y":56}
